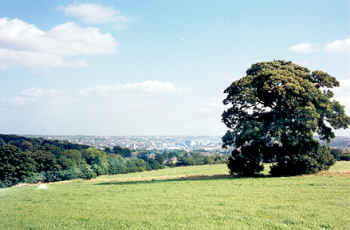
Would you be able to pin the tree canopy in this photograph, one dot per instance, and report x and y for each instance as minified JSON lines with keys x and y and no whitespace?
{"x":34,"y":160}
{"x":274,"y":112}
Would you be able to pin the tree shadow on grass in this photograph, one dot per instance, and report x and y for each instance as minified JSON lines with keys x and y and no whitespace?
{"x":178,"y":179}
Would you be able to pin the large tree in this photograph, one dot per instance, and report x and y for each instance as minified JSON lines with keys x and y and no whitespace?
{"x":273,"y":115}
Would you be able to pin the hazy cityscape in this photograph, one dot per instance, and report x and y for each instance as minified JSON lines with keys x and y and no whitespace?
{"x":188,"y":143}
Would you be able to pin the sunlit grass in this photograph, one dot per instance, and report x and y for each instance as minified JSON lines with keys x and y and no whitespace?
{"x":341,"y":166}
{"x":197,"y":197}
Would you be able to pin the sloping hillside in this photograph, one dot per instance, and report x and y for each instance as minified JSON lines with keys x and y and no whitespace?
{"x":196,"y":197}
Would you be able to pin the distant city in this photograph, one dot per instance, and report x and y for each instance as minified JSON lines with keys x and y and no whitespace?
{"x":187,"y":143}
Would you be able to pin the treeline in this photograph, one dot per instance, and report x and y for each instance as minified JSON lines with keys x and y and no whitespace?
{"x":340,"y":154}
{"x":33,"y":160}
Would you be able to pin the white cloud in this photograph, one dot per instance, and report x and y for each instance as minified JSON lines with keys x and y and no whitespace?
{"x":42,"y":96}
{"x":23,"y":44}
{"x":147,"y":87}
{"x":339,"y":46}
{"x":33,"y":95}
{"x":303,"y":48}
{"x":38,"y":92}
{"x":14,"y":58}
{"x":95,"y":14}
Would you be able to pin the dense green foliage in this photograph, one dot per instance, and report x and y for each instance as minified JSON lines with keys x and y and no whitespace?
{"x":34,"y":160}
{"x":345,"y":157}
{"x":181,"y":158}
{"x":274,"y":112}
{"x":124,"y":152}
{"x":340,"y":155}
{"x":195,"y":197}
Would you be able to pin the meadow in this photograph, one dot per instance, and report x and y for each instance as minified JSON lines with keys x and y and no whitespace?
{"x":193,"y":197}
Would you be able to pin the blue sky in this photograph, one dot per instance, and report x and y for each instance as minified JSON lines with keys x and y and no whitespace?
{"x":133,"y":67}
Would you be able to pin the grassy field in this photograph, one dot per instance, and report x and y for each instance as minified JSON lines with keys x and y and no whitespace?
{"x":198,"y":197}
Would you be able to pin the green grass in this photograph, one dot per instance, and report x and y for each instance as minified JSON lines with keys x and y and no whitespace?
{"x":198,"y":197}
{"x":341,"y":166}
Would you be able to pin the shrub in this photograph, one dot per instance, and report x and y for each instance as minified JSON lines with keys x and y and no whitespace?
{"x":116,"y":166}
{"x":243,"y":165}
{"x":312,"y":162}
{"x":70,"y":174}
{"x":35,"y":178}
{"x":87,"y":173}
{"x":52,"y":176}
{"x":345,"y":157}
{"x":3,"y":185}
{"x":98,"y":169}
{"x":337,"y":153}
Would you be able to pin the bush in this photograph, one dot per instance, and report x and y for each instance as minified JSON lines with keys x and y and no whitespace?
{"x":2,"y":185}
{"x":98,"y":169}
{"x":312,"y":162}
{"x":337,"y":153}
{"x":35,"y":178}
{"x":345,"y":157}
{"x":87,"y":173}
{"x":116,"y":166}
{"x":247,"y":165}
{"x":153,"y":164}
{"x":70,"y":174}
{"x":52,"y":176}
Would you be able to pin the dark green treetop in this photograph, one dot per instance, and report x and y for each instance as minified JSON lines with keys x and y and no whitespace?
{"x":274,"y":112}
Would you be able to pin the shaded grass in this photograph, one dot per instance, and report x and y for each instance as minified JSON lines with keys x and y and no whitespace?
{"x":198,"y":197}
{"x":177,"y":171}
{"x":166,"y":179}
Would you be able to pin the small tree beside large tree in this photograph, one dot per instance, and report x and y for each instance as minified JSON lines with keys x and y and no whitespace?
{"x":274,"y":112}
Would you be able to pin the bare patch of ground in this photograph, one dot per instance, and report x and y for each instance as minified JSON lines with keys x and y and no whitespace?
{"x":334,"y":173}
{"x":27,"y":184}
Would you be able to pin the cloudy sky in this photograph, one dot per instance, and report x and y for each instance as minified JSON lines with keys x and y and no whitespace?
{"x":147,"y":67}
